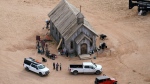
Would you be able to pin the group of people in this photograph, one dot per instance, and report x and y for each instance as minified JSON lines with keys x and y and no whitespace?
{"x":56,"y":66}
{"x":64,"y":52}
{"x":41,"y":47}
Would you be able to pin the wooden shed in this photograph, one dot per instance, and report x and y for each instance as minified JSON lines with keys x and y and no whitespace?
{"x":71,"y":30}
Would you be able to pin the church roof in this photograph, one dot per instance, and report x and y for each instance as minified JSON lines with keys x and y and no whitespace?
{"x":64,"y":17}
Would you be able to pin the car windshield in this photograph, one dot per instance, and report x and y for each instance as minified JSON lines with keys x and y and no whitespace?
{"x":41,"y":66}
{"x":94,"y":66}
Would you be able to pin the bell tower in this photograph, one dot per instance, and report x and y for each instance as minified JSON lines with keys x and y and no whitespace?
{"x":80,"y":17}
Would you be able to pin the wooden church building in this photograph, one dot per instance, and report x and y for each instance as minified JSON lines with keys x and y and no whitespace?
{"x":71,"y":30}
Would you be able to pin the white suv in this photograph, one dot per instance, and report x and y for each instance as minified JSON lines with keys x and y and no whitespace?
{"x":31,"y":65}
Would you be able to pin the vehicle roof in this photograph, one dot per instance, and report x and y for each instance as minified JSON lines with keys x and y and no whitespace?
{"x":102,"y":77}
{"x":75,"y":64}
{"x":32,"y":60}
{"x":87,"y":63}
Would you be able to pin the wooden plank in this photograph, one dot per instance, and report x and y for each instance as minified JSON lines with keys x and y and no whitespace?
{"x":84,"y":56}
{"x":59,"y":43}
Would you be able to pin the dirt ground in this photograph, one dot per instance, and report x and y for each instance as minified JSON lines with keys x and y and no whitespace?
{"x":128,"y":39}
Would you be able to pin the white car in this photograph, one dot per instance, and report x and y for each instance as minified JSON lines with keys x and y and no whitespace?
{"x":31,"y":65}
{"x":86,"y":67}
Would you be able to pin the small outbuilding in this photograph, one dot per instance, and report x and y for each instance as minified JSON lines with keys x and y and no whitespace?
{"x":71,"y":30}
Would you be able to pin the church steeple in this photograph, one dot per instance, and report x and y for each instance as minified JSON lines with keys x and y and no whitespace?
{"x":80,"y":17}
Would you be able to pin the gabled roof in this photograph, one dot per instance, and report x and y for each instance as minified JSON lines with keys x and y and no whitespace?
{"x":64,"y":17}
{"x":80,"y":38}
{"x":80,"y":15}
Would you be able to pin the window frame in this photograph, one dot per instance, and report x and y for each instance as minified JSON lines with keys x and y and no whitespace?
{"x":86,"y":67}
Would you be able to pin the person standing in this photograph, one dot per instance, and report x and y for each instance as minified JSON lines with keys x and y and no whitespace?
{"x":46,"y":47}
{"x":43,"y":50}
{"x":43,"y":45}
{"x":53,"y":65}
{"x":67,"y":53}
{"x":64,"y":51}
{"x":47,"y":23}
{"x":37,"y":45}
{"x":57,"y":65}
{"x":60,"y":66}
{"x":39,"y":51}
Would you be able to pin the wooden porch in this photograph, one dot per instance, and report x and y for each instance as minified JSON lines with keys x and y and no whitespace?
{"x":84,"y":56}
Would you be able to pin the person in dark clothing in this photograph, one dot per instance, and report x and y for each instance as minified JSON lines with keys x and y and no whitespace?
{"x":46,"y":47}
{"x":39,"y":51}
{"x":53,"y":65}
{"x":44,"y":60}
{"x":57,"y":65}
{"x":42,"y":50}
{"x":67,"y":53}
{"x":103,"y":46}
{"x":102,"y":36}
{"x":37,"y":45}
{"x":47,"y":23}
{"x":60,"y":66}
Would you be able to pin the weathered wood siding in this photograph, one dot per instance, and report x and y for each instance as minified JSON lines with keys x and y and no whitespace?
{"x":76,"y":48}
{"x":54,"y":32}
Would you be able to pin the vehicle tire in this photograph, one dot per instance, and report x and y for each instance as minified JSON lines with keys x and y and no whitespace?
{"x":144,"y":13}
{"x":40,"y":74}
{"x":138,"y":9}
{"x":95,"y":82}
{"x":27,"y":68}
{"x":75,"y":72}
{"x":115,"y":82}
{"x":97,"y":72}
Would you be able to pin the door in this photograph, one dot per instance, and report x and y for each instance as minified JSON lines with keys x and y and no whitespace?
{"x":84,"y":48}
{"x":34,"y":68}
{"x":88,"y":69}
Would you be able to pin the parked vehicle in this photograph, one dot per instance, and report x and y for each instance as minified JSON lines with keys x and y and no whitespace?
{"x":31,"y":65}
{"x":86,"y":67}
{"x":105,"y":80}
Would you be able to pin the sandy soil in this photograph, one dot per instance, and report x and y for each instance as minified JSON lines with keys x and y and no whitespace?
{"x":128,"y":39}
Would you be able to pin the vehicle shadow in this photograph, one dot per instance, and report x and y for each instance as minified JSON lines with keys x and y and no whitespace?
{"x":30,"y":74}
{"x":86,"y":74}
